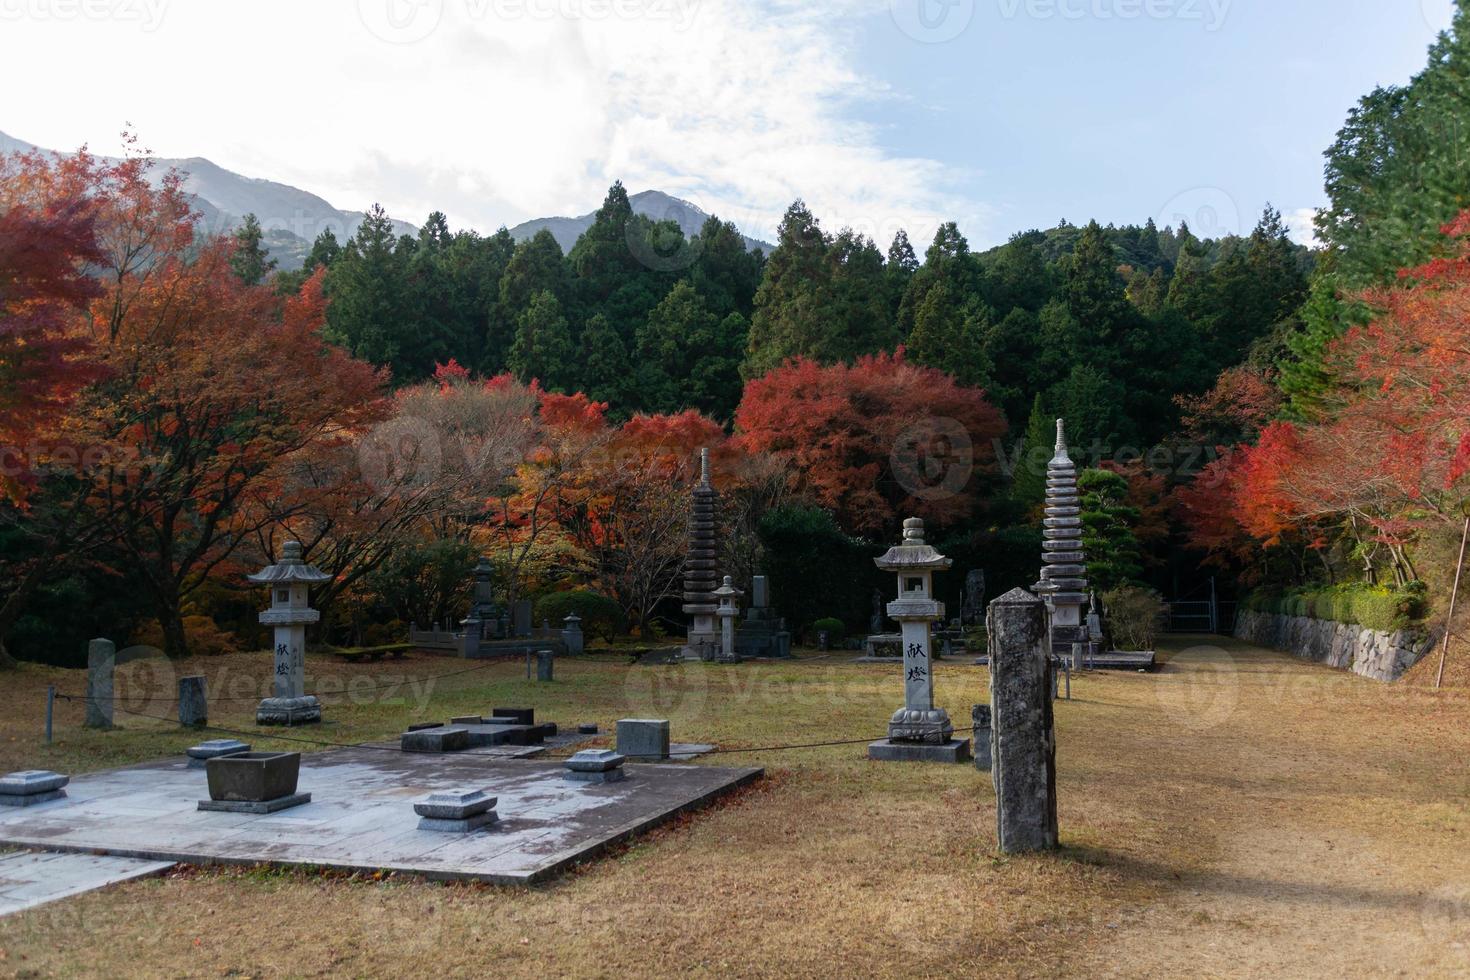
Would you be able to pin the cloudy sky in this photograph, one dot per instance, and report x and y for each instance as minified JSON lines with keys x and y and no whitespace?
{"x":1000,"y":114}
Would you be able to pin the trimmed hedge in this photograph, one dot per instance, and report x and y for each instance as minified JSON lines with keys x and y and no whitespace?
{"x":600,"y":615}
{"x":1372,"y":607}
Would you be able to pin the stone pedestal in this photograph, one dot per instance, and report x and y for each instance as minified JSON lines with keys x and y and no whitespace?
{"x":31,"y":787}
{"x":1023,"y":743}
{"x":456,"y":811}
{"x":101,"y":664}
{"x":595,"y":766}
{"x":193,"y":702}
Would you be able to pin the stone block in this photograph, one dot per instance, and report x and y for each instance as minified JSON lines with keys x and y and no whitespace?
{"x":455,"y":804}
{"x":545,"y":666}
{"x":465,"y":826}
{"x":421,"y":726}
{"x":441,"y":739}
{"x":586,"y":729}
{"x":259,"y":807}
{"x":466,"y":720}
{"x":253,"y":777}
{"x":193,"y":702}
{"x":101,"y":663}
{"x":520,"y":716}
{"x":213,"y":749}
{"x":980,"y":723}
{"x":888,"y":750}
{"x":644,"y":739}
{"x":31,"y":799}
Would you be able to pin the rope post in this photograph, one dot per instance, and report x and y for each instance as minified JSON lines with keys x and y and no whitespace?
{"x":1449,"y":622}
{"x":50,"y":709}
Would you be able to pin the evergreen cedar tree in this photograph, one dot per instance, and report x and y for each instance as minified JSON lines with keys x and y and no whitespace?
{"x":837,"y":426}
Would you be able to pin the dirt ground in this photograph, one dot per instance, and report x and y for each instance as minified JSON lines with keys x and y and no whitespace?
{"x":1238,"y":813}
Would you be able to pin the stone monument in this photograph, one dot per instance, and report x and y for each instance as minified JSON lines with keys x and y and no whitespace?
{"x":763,"y":631}
{"x":288,"y":580}
{"x":877,"y":621}
{"x":193,"y":702}
{"x":700,"y":568}
{"x":101,"y":665}
{"x":493,"y":622}
{"x":972,"y":610}
{"x":918,"y":731}
{"x":1063,"y":583}
{"x":727,"y":595}
{"x":1023,"y":742}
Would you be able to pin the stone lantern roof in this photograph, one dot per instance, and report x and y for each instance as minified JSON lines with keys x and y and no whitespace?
{"x":728,"y":590}
{"x":290,"y":569}
{"x":913,"y":555}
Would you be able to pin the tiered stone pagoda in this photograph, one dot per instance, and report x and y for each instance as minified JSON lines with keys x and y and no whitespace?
{"x":701,"y":568}
{"x":290,"y":614}
{"x":1064,"y":565}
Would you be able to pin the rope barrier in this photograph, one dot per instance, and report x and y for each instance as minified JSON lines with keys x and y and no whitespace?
{"x":385,"y":748}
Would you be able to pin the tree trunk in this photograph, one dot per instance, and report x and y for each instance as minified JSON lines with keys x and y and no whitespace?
{"x":175,"y":642}
{"x":7,"y":662}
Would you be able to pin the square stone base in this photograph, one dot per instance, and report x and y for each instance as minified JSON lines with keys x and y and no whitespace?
{"x":887,"y":750}
{"x":610,"y":776}
{"x":255,"y":806}
{"x":30,"y":799}
{"x":464,"y":826}
{"x":289,"y":712}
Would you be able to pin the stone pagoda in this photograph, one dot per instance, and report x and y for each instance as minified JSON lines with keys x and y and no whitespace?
{"x":1064,"y":566}
{"x":918,"y":731}
{"x":701,"y":568}
{"x":289,"y":579}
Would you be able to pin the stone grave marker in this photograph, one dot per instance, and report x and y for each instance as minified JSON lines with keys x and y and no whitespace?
{"x":1023,"y":741}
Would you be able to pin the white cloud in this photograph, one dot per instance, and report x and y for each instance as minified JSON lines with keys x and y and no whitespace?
{"x":1300,"y":225}
{"x":499,"y":110}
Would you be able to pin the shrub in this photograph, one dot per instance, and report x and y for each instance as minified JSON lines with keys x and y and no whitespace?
{"x":834,"y":627}
{"x":601,"y":616}
{"x":204,"y":637}
{"x":1135,"y":617}
{"x":1372,"y":607}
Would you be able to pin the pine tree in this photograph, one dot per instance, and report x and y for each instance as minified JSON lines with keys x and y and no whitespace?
{"x":1031,"y":454}
{"x":604,"y":369}
{"x":951,"y":337}
{"x":251,"y":262}
{"x":1114,"y":556}
{"x":794,"y":297}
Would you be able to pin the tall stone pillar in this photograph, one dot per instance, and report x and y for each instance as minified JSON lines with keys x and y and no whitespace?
{"x":701,"y":567}
{"x":101,"y":665}
{"x":1023,"y":741}
{"x":1063,"y":583}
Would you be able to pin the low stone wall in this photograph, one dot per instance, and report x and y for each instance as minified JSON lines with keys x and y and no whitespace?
{"x":1371,"y":653}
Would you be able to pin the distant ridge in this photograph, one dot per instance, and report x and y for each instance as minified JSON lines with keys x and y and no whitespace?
{"x":652,"y":204}
{"x":292,"y":218}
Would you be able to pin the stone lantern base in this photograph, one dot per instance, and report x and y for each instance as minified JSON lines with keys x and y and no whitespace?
{"x":914,"y":725}
{"x":289,"y":711}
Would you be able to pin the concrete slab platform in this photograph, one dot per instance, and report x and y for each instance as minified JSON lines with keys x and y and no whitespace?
{"x":361,"y":816}
{"x":31,"y":878}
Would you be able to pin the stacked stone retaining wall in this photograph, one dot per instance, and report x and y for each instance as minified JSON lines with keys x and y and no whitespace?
{"x":1371,"y":653}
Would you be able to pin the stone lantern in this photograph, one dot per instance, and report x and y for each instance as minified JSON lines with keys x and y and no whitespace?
{"x":290,"y":614}
{"x":918,"y":730}
{"x":727,"y":610}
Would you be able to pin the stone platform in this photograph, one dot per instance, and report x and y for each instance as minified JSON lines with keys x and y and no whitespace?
{"x":29,"y":878}
{"x":887,"y":750}
{"x":361,"y":815}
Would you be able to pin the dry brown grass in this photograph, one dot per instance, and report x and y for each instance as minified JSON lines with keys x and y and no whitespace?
{"x":1239,"y":813}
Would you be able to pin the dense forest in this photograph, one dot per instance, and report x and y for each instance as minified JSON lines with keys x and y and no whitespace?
{"x":175,"y":407}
